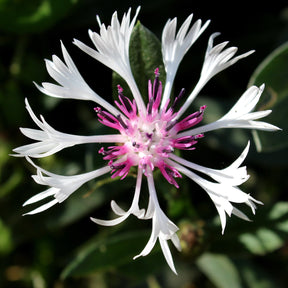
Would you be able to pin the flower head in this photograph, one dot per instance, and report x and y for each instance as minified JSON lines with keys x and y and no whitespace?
{"x":146,"y":135}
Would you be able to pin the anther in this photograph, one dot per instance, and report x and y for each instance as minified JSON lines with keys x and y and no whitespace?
{"x":117,"y":166}
{"x":156,"y":83}
{"x":150,"y":105}
{"x":136,"y":145}
{"x":125,"y":102}
{"x":122,"y":123}
{"x":177,"y":99}
{"x":171,"y":125}
{"x":167,"y":150}
{"x":149,"y":135}
{"x":104,"y":114}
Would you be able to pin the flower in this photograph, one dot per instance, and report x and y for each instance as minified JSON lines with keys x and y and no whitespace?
{"x":146,"y":134}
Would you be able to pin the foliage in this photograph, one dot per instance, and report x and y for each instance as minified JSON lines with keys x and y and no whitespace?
{"x":62,"y":247}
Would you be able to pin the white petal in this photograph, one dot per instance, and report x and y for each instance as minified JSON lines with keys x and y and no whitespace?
{"x":40,"y":196}
{"x":256,"y":115}
{"x":216,"y":60}
{"x":72,"y":85}
{"x":149,"y":246}
{"x":134,"y":209}
{"x":62,"y":186}
{"x":112,"y":49}
{"x":232,"y":175}
{"x":222,"y":216}
{"x":239,"y":115}
{"x":34,"y":134}
{"x":150,"y":210}
{"x":241,"y":158}
{"x":174,"y":48}
{"x":236,"y":195}
{"x":52,"y":141}
{"x":110,"y":222}
{"x":246,"y":103}
{"x":175,"y":240}
{"x":222,"y":193}
{"x":240,"y":214}
{"x":167,"y":253}
{"x":43,"y":207}
{"x":116,"y":209}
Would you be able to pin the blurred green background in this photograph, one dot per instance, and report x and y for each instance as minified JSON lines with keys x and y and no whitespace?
{"x":62,"y":247}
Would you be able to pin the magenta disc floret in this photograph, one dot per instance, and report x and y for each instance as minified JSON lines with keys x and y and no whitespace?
{"x":152,"y":136}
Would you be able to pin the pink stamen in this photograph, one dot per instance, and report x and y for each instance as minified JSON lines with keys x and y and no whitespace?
{"x":120,"y":89}
{"x":156,"y":72}
{"x":169,"y":172}
{"x":101,"y":150}
{"x":190,"y":120}
{"x":126,"y":106}
{"x":121,"y":169}
{"x":151,"y":136}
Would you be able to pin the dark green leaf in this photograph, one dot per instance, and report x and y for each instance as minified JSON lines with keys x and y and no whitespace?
{"x":255,"y":276}
{"x":5,"y":238}
{"x":145,"y":56}
{"x":273,"y":71}
{"x":32,"y":16}
{"x":107,"y":253}
{"x":8,"y":180}
{"x":83,"y":203}
{"x":267,"y":232}
{"x":220,"y":270}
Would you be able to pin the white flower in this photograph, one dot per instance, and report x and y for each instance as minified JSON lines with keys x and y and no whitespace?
{"x":146,"y":134}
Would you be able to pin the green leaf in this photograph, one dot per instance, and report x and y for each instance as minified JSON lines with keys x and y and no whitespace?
{"x":272,"y":233}
{"x":267,"y":233}
{"x":262,"y":241}
{"x":5,"y":238}
{"x":83,"y":203}
{"x":223,"y":272}
{"x":107,"y":252}
{"x":220,"y":270}
{"x":33,"y":15}
{"x":273,"y":71}
{"x":8,"y":180}
{"x":145,"y":56}
{"x":255,"y":276}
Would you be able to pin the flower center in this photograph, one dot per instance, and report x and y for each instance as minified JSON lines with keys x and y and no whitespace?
{"x":151,"y":135}
{"x":149,"y":142}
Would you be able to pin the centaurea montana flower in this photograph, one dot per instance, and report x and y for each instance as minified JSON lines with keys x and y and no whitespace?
{"x":147,"y":135}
